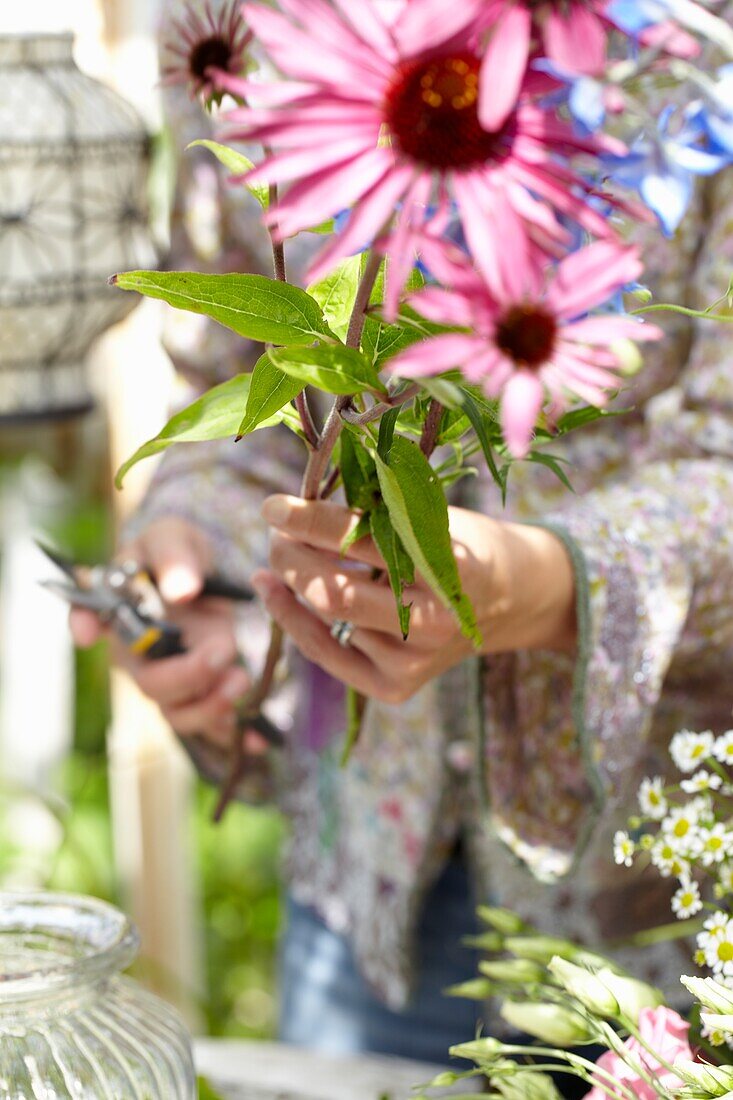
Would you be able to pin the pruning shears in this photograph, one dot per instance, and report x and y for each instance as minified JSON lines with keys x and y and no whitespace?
{"x":126,"y":598}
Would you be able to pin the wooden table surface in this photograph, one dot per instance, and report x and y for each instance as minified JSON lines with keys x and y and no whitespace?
{"x":243,"y":1070}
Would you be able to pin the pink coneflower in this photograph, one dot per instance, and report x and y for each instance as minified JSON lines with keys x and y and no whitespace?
{"x":572,"y":34}
{"x":526,"y":345}
{"x":383,"y":115}
{"x":208,"y":43}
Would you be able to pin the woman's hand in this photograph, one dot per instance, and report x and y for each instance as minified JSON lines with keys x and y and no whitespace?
{"x":197,"y":691}
{"x":519,"y":580}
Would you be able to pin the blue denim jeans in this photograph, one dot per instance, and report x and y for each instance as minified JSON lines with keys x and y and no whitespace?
{"x":327,"y":1006}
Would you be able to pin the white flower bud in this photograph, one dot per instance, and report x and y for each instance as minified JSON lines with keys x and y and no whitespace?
{"x":585,"y":986}
{"x":553,"y":1024}
{"x":710,"y":993}
{"x":521,"y":971}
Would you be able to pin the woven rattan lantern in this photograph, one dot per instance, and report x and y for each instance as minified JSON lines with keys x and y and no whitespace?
{"x":73,"y":184}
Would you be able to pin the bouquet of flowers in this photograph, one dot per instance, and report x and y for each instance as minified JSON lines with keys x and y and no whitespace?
{"x":567,"y":997}
{"x":470,"y":168}
{"x":685,"y":830}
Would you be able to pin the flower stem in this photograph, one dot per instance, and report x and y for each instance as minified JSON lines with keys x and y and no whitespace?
{"x":362,"y":419}
{"x":431,"y":427}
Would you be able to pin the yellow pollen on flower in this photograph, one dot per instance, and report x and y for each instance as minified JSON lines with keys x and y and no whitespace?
{"x":725,"y":951}
{"x":682,"y":827}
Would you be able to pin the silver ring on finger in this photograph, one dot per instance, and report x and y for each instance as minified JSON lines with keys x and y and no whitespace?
{"x":342,"y":630}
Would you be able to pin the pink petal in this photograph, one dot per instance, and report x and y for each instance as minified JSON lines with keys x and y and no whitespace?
{"x":367,"y":219}
{"x":425,"y":24}
{"x":293,"y":165}
{"x":327,"y":27}
{"x":504,"y":66}
{"x":325,"y":193}
{"x":443,"y":307}
{"x":589,"y":277}
{"x":604,"y":330}
{"x":369,"y":25}
{"x":439,"y":353}
{"x":489,"y":368}
{"x":292,"y":50}
{"x":521,"y":401}
{"x":402,"y":244}
{"x":576,"y":42}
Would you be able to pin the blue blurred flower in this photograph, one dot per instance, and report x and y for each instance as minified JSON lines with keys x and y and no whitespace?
{"x":634,"y":16}
{"x":714,"y":114}
{"x":662,"y":168}
{"x":583,"y":95}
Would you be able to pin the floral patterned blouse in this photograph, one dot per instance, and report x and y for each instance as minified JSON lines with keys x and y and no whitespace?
{"x":534,"y":757}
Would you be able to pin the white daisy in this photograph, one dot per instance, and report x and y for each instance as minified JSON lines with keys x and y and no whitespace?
{"x":686,"y":901}
{"x":623,"y":848}
{"x":667,"y":860}
{"x":702,"y":781}
{"x":717,"y":944}
{"x":712,"y":845}
{"x":688,"y":749}
{"x":725,"y":878}
{"x":681,"y":825}
{"x":715,"y":1037}
{"x":723,"y":748}
{"x":651,"y":798}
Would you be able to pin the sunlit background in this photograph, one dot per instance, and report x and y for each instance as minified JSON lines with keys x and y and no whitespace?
{"x":76,"y":740}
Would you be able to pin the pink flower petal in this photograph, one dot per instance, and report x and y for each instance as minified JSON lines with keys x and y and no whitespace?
{"x":402,"y":244}
{"x":589,"y":277}
{"x":504,"y":66}
{"x":521,"y":401}
{"x":604,"y":330}
{"x":576,"y":41}
{"x":425,"y":24}
{"x":370,"y":26}
{"x":299,"y":162}
{"x":325,"y":193}
{"x":444,"y":308}
{"x":438,"y":354}
{"x":292,"y":50}
{"x":367,"y":219}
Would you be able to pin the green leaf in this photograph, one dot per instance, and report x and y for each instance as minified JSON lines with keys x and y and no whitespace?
{"x":269,"y":390}
{"x":355,"y":707}
{"x":324,"y":228}
{"x":237,"y":164}
{"x":443,"y":390}
{"x":251,"y":305}
{"x":419,"y":512}
{"x":387,"y":426}
{"x":358,"y":532}
{"x":381,"y":341}
{"x":206,"y":1091}
{"x":478,"y":424}
{"x":358,"y":472}
{"x":329,"y":367}
{"x":336,"y":293}
{"x":399,"y":566}
{"x":215,"y":415}
{"x":553,"y":464}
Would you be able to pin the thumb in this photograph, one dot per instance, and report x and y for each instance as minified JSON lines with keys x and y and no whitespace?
{"x":178,"y":555}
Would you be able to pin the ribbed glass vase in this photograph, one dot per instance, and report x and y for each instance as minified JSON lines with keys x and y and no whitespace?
{"x":70,"y":1026}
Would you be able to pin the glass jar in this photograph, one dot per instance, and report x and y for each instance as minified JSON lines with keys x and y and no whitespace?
{"x":70,"y":1026}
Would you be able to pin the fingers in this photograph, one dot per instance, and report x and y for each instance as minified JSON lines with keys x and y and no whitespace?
{"x":214,"y":713}
{"x":377,"y":675}
{"x":334,"y":590}
{"x":86,"y":628}
{"x":179,"y":556}
{"x":322,"y":524}
{"x":180,"y":680}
